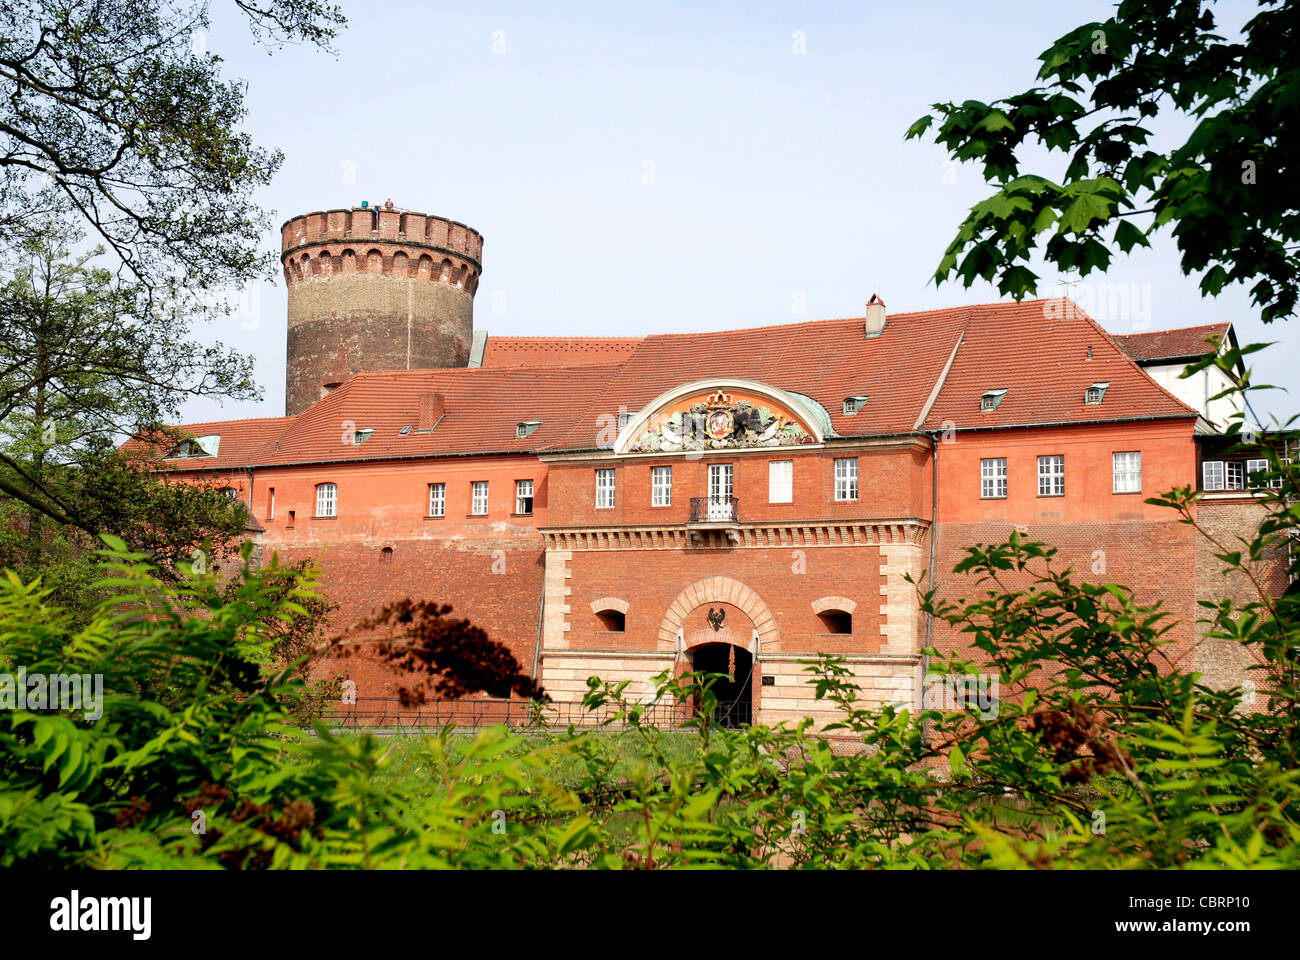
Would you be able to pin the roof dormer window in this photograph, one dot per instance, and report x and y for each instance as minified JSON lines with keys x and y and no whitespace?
{"x":1095,"y":394}
{"x":526,"y":428}
{"x":991,"y":399}
{"x":852,"y":405}
{"x":361,"y":436}
{"x":195,"y":447}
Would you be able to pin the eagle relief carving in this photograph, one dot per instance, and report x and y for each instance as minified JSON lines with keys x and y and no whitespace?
{"x":716,"y":617}
{"x":718,"y":422}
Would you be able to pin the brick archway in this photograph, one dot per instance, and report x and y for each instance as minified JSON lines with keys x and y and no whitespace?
{"x":720,"y":590}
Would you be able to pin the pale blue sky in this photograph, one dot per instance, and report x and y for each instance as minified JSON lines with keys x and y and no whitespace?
{"x":777,"y":175}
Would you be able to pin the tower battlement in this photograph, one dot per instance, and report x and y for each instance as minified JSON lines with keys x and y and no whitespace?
{"x":373,"y":289}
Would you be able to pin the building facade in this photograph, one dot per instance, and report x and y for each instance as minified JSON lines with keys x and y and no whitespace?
{"x":736,"y":501}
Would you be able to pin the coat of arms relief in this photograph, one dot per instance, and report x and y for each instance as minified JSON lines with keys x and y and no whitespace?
{"x":719,"y":422}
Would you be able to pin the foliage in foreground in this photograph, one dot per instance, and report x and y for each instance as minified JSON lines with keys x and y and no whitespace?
{"x":196,"y":762}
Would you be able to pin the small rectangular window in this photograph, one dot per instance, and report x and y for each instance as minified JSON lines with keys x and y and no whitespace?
{"x":780,"y":481}
{"x":846,"y":478}
{"x":523,"y":497}
{"x":1235,"y":475}
{"x":289,"y":524}
{"x":993,"y":478}
{"x":661,"y":486}
{"x":604,"y":489}
{"x":437,"y":499}
{"x":270,"y":506}
{"x":1212,"y":475}
{"x":1126,"y":468}
{"x":327,"y":499}
{"x":479,"y":500}
{"x":1051,"y":476}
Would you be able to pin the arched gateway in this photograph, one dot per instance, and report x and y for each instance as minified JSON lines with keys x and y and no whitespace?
{"x":720,"y":625}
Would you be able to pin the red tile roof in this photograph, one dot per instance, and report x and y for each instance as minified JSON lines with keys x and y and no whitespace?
{"x":1036,"y":350}
{"x":242,"y":442}
{"x":1179,"y":344}
{"x":557,"y":351}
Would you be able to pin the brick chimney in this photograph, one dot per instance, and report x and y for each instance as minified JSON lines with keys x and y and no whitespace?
{"x":432,"y":408}
{"x":875,"y":323}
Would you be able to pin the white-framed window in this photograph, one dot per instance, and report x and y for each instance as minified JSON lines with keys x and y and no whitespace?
{"x":1276,"y":482}
{"x":605,"y":489}
{"x":437,"y":499}
{"x":523,"y":496}
{"x":1253,"y":467}
{"x":1126,"y":467}
{"x":327,"y":499}
{"x":479,"y":498}
{"x":1051,"y":475}
{"x":780,"y":481}
{"x":270,"y":507}
{"x":993,"y":478}
{"x":1235,"y":475}
{"x":1212,"y":475}
{"x":846,"y":478}
{"x":661,"y":486}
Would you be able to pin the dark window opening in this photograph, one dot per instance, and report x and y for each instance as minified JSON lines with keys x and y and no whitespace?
{"x":612,"y":621}
{"x":836,"y":621}
{"x":386,"y":555}
{"x":291,"y":517}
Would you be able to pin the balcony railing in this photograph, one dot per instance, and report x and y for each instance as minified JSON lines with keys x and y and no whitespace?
{"x":714,"y":510}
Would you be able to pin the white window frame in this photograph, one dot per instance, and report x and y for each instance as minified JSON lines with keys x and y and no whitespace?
{"x":993,"y":478}
{"x":1276,"y":482}
{"x":1215,"y":469}
{"x":661,"y":486}
{"x":780,"y":481}
{"x":846,"y":478}
{"x":1234,"y":475}
{"x":1124,"y":477}
{"x":605,"y":498}
{"x":478,"y":501}
{"x":1051,"y":475}
{"x":437,"y":499}
{"x":327,"y":499}
{"x":271,"y":510}
{"x":523,"y":491}
{"x":1254,"y":465}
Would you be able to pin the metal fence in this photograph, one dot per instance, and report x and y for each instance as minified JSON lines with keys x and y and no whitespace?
{"x":389,"y":713}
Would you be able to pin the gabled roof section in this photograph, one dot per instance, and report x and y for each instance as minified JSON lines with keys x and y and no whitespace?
{"x":1168,"y":346}
{"x":557,"y":351}
{"x":242,"y":442}
{"x":483,"y":409}
{"x":1039,"y":349}
{"x":825,"y":360}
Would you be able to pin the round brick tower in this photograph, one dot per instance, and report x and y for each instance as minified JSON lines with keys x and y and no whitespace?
{"x":373,"y":289}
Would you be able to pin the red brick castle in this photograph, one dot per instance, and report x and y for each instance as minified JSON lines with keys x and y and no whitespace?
{"x":735,"y":501}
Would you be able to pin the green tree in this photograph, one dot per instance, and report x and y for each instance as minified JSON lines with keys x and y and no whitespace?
{"x":84,"y":362}
{"x":116,"y":109}
{"x":1228,"y":192}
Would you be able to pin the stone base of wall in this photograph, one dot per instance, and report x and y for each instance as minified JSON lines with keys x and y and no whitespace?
{"x":791,"y":697}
